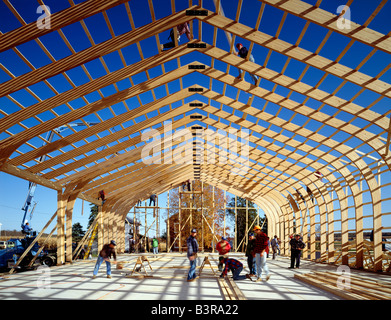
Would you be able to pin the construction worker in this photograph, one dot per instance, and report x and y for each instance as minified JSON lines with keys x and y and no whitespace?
{"x":297,"y":245}
{"x":27,"y":229}
{"x":222,"y":248}
{"x":260,"y":246}
{"x":105,"y":254}
{"x":231,"y":264}
{"x":192,"y":250}
{"x":251,"y":256}
{"x":152,"y":198}
{"x":102,"y":196}
{"x":242,"y":52}
{"x":155,"y":246}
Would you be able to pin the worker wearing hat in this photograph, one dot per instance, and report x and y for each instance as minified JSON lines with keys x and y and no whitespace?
{"x":243,"y":52}
{"x":251,"y":255}
{"x":297,"y":245}
{"x":192,"y":249}
{"x":105,"y":254}
{"x":261,"y":243}
{"x":222,"y":248}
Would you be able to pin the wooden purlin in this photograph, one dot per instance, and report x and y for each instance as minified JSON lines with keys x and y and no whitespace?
{"x":147,"y":179}
{"x":100,"y":127}
{"x":17,"y":157}
{"x":149,"y":183}
{"x":58,"y":20}
{"x":329,"y":20}
{"x":91,"y":86}
{"x":108,"y":139}
{"x":94,"y":52}
{"x":314,"y":93}
{"x":111,"y":164}
{"x":296,"y":53}
{"x":10,"y":144}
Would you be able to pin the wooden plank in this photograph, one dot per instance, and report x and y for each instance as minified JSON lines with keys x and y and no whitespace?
{"x":329,"y":20}
{"x":58,"y":20}
{"x":95,"y":52}
{"x":10,"y":144}
{"x":327,"y":287}
{"x":297,"y":53}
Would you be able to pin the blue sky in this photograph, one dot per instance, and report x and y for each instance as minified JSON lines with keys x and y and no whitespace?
{"x":14,"y":190}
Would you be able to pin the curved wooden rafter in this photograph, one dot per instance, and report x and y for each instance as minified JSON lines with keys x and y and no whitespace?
{"x":113,"y":161}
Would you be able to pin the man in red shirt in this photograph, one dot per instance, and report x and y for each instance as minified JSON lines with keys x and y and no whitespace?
{"x":231,"y":264}
{"x":223,"y":248}
{"x":261,"y":243}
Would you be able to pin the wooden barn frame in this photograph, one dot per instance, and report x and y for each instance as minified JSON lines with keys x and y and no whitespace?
{"x":305,"y":181}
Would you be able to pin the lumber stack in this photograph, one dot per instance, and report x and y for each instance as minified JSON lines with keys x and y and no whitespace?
{"x":356,"y":288}
{"x":230,"y":289}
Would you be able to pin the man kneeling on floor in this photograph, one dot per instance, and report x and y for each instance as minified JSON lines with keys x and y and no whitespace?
{"x":231,"y":264}
{"x":105,"y":254}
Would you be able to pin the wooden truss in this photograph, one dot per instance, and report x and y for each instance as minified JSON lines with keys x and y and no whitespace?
{"x":348,"y":145}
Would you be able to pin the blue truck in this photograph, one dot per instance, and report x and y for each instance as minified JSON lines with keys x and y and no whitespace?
{"x":16,"y":247}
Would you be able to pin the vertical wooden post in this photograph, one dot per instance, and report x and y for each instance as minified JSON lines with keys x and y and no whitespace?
{"x":145,"y":226}
{"x":246,"y":234}
{"x":114,"y":229}
{"x":101,"y":230}
{"x":180,"y":222}
{"x":105,"y":225}
{"x":331,"y":242}
{"x":202,"y":220}
{"x":108,"y":225}
{"x":60,"y":228}
{"x":344,"y":230}
{"x":359,"y":229}
{"x":236,"y":224}
{"x":377,"y":226}
{"x":168,"y":221}
{"x":225,"y":209}
{"x":68,"y":234}
{"x":134,"y":227}
{"x":213,"y":221}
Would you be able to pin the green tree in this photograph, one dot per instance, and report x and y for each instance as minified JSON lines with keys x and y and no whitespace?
{"x":93,"y":213}
{"x":77,"y":232}
{"x":240,"y":225}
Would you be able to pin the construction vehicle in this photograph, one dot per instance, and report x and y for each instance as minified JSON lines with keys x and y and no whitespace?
{"x":15,"y":247}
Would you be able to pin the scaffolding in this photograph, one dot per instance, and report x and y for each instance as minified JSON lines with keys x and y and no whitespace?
{"x":186,"y":213}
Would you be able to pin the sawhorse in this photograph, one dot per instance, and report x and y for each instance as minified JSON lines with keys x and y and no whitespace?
{"x":140,"y":261}
{"x":206,"y":261}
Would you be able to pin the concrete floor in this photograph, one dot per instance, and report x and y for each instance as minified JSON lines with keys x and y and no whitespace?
{"x":168,"y":282}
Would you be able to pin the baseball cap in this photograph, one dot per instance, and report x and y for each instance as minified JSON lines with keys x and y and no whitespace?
{"x":257,"y":228}
{"x":113,"y":242}
{"x":193,"y":230}
{"x":223,"y":238}
{"x":238,"y":44}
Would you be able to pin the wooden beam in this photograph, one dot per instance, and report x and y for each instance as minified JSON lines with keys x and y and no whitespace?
{"x":58,"y":20}
{"x":329,"y":20}
{"x":95,"y":52}
{"x":299,"y":54}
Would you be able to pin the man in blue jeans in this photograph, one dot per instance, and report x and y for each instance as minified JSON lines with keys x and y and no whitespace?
{"x":234,"y":265}
{"x":261,"y":243}
{"x":242,"y":52}
{"x":192,"y":249}
{"x":105,"y":254}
